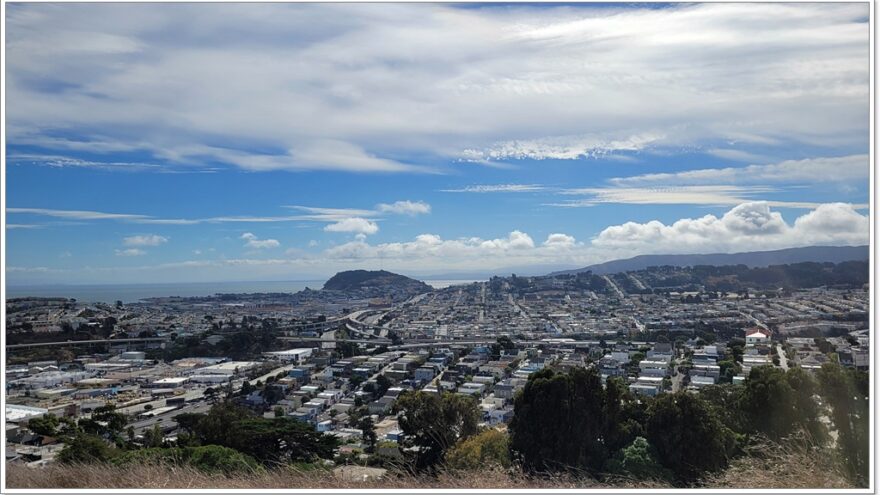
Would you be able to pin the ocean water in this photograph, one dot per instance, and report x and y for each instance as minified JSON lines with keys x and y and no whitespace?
{"x":129,"y":293}
{"x":442,"y":284}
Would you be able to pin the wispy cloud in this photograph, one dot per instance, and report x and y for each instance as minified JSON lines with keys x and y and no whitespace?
{"x":411,"y":208}
{"x":849,"y":168}
{"x":77,"y":214}
{"x":130,"y":252}
{"x":713,"y":195}
{"x":23,"y":226}
{"x":499,"y":188}
{"x":144,"y":240}
{"x":331,"y":214}
{"x":60,"y":161}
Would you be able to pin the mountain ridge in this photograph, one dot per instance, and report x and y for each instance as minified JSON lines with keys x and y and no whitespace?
{"x":752,"y":259}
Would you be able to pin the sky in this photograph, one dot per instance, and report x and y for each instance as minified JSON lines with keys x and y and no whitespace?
{"x":236,"y":142}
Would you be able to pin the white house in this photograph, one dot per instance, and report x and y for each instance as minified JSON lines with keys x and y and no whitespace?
{"x":756,"y":336}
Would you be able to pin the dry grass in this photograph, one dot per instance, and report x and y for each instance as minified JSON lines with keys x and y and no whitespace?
{"x":766,"y":466}
{"x":160,"y":476}
{"x":794,"y":465}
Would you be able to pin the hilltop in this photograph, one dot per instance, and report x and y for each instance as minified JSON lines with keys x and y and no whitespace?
{"x":754,"y":259}
{"x":374,"y":279}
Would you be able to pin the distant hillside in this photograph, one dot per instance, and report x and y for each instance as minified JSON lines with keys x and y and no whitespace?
{"x":380,"y":279}
{"x":755,"y":259}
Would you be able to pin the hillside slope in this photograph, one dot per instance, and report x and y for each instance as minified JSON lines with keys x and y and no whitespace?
{"x":755,"y":259}
{"x":362,"y":279}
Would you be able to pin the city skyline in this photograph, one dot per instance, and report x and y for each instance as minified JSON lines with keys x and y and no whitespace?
{"x":294,"y":141}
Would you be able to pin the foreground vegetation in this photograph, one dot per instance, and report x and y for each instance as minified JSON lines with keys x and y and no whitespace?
{"x":770,"y":466}
{"x":568,"y":430}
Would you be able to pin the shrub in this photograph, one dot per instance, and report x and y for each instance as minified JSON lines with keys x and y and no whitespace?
{"x":490,"y":447}
{"x":208,"y":458}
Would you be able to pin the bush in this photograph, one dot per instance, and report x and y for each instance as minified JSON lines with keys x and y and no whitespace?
{"x":639,"y":461}
{"x":208,"y":458}
{"x":86,"y":448}
{"x":490,"y":447}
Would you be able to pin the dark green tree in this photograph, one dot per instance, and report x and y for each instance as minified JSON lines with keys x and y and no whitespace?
{"x":369,"y":432}
{"x":44,"y":425}
{"x":560,"y":421}
{"x":86,"y":448}
{"x":689,"y":438}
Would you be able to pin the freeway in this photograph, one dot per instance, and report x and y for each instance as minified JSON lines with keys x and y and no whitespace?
{"x":86,"y":342}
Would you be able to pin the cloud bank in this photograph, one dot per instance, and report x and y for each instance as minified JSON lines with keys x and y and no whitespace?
{"x":348,"y":87}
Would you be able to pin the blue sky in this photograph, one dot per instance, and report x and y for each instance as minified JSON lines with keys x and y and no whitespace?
{"x":184,"y":142}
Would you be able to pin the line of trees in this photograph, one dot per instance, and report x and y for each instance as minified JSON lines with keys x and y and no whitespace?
{"x":571,"y":422}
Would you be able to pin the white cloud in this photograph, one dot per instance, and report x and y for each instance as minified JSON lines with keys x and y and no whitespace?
{"x":145,"y":240}
{"x":354,"y":224}
{"x":747,"y":227}
{"x":852,"y":168}
{"x":130,"y":252}
{"x":331,"y":214}
{"x":254,"y":242}
{"x":23,"y":226}
{"x":563,"y":147}
{"x":713,"y":195}
{"x":59,"y":161}
{"x":347,"y":87}
{"x":560,"y":241}
{"x":491,"y":188}
{"x":411,"y":208}
{"x":76,"y":214}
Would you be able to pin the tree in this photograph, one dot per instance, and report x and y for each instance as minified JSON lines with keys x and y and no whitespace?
{"x":104,"y":422}
{"x":776,"y":403}
{"x":269,"y":440}
{"x":356,"y":380}
{"x":382,"y":385}
{"x":561,"y":421}
{"x":688,"y":436}
{"x":44,"y":425}
{"x":272,"y":394}
{"x":86,"y":448}
{"x":488,"y":448}
{"x":502,"y":344}
{"x":154,"y":437}
{"x":726,"y":401}
{"x":211,"y":394}
{"x":433,"y":423}
{"x":368,"y":432}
